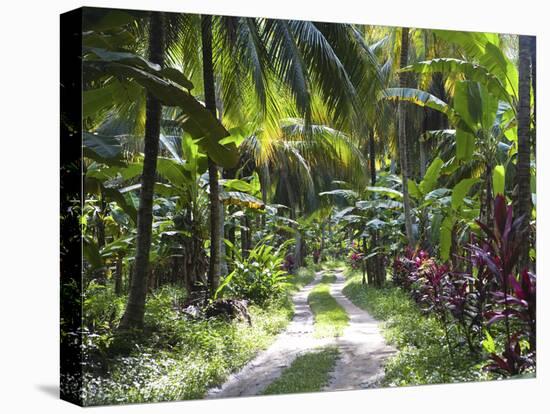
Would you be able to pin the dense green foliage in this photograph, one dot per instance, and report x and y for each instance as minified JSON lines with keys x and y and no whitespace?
{"x":259,"y":276}
{"x":308,"y":373}
{"x":304,"y":276}
{"x":177,"y":358}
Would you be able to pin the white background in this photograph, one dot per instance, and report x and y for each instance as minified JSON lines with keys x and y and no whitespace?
{"x":29,"y":192}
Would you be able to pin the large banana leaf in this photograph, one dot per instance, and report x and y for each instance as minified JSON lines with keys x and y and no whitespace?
{"x":420,"y":98}
{"x":497,"y":63}
{"x":499,"y":179}
{"x":102,"y":148}
{"x":349,"y":195}
{"x":432,"y":175}
{"x":484,"y":47}
{"x":476,"y":107}
{"x":445,"y":237}
{"x":465,"y":142}
{"x":460,"y":190}
{"x":474,"y":43}
{"x":390,"y":192}
{"x":173,"y":171}
{"x":470,"y":71}
{"x":240,"y":185}
{"x":241,"y":199}
{"x":167,"y":85}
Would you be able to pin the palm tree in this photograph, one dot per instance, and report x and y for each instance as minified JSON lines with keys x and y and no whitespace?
{"x":524,"y":152}
{"x":210,"y":103}
{"x":262,"y":71}
{"x":403,"y":139}
{"x":266,"y":70}
{"x":133,"y":315}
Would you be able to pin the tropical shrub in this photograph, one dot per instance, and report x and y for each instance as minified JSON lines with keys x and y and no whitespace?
{"x":472,"y":302}
{"x":514,"y":303}
{"x":259,"y":277}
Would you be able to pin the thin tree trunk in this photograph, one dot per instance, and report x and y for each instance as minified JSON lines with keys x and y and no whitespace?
{"x":322,"y":244}
{"x":223,"y":261}
{"x":533,"y":53}
{"x":372,"y":158}
{"x":248,"y":235}
{"x":423,"y":216}
{"x":363,"y":262}
{"x":100,"y":222}
{"x":298,"y":249}
{"x":101,"y":273}
{"x":489,"y":193}
{"x":134,"y":313}
{"x":524,"y":150}
{"x":264,"y":200}
{"x":403,"y":139}
{"x":118,"y":275}
{"x":244,"y":243}
{"x":231,"y":238}
{"x":210,"y":103}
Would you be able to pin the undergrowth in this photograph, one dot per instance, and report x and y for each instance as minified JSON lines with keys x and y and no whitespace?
{"x":423,"y":356}
{"x":175,"y":358}
{"x":301,"y":278}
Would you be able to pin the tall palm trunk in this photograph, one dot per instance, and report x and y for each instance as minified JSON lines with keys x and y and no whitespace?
{"x":524,"y":151}
{"x":403,"y":147}
{"x":210,"y":102}
{"x":533,"y":52}
{"x":134,"y":313}
{"x":378,"y":267}
{"x":372,"y":158}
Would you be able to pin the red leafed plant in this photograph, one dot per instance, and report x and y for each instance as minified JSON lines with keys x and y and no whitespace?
{"x":355,"y":259}
{"x":513,"y":360}
{"x":515,"y":297}
{"x":489,"y":292}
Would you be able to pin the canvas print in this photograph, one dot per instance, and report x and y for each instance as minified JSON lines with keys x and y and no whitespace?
{"x":253,"y":206}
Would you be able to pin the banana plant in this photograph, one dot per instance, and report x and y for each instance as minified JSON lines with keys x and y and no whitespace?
{"x":448,"y":210}
{"x":373,"y":219}
{"x":118,"y":72}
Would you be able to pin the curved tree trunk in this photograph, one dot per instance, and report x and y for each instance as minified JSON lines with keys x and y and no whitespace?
{"x":524,"y":150}
{"x":135,"y":310}
{"x":403,"y":148}
{"x":210,"y":102}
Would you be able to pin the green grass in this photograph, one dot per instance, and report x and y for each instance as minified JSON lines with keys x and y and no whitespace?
{"x":308,"y":373}
{"x":330,"y":318}
{"x":333,"y":264}
{"x":301,"y":278}
{"x":423,"y":356}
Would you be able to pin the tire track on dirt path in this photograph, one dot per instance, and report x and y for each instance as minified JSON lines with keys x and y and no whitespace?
{"x":363,"y":349}
{"x":268,"y":365}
